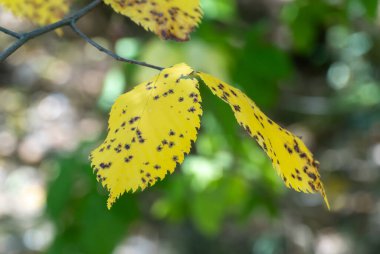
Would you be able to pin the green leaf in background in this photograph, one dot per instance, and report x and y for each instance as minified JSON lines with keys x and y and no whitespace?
{"x":252,"y":70}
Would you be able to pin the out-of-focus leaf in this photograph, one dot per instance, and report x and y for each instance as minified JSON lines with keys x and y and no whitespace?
{"x":42,"y":12}
{"x":174,"y":19}
{"x":253,"y":71}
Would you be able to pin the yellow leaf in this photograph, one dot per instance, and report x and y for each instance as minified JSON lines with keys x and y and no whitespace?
{"x":150,"y":130}
{"x":289,"y":155}
{"x":169,"y":19}
{"x":42,"y":12}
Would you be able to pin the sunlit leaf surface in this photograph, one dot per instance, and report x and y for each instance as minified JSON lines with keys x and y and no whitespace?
{"x":150,"y":130}
{"x":290,"y":157}
{"x":41,"y":12}
{"x":169,"y":19}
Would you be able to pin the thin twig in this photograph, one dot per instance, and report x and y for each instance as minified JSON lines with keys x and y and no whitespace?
{"x":9,"y":32}
{"x":109,"y":52}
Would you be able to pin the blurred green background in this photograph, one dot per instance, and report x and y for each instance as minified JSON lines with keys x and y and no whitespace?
{"x":311,"y":65}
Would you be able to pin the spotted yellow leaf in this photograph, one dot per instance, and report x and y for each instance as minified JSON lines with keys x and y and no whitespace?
{"x":42,"y":12}
{"x":150,"y":130}
{"x":169,"y":19}
{"x":289,"y":155}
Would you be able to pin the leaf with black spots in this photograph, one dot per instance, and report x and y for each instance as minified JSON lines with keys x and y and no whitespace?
{"x":169,"y":19}
{"x":150,"y":131}
{"x":289,"y":155}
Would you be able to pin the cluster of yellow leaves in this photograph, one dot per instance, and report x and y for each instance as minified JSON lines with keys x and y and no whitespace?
{"x":42,"y":12}
{"x":152,"y":127}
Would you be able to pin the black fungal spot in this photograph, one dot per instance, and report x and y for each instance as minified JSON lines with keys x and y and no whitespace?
{"x":248,"y":129}
{"x":180,"y":99}
{"x":170,"y":91}
{"x":128,"y":159}
{"x":171,"y":144}
{"x":175,"y":158}
{"x":105,"y":165}
{"x":312,"y":176}
{"x":157,"y":167}
{"x":316,"y":164}
{"x":156,"y":97}
{"x":166,"y":75}
{"x":159,"y":148}
{"x":312,"y":186}
{"x":296,"y":147}
{"x":191,"y":110}
{"x":226,"y":94}
{"x":237,"y":108}
{"x":164,"y":142}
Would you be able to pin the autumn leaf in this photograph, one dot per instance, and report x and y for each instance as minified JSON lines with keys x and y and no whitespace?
{"x":41,"y":12}
{"x":174,"y":19}
{"x":289,"y":155}
{"x":152,"y":127}
{"x":150,"y":130}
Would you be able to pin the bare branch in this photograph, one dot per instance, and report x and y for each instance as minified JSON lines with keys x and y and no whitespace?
{"x":9,"y":32}
{"x":109,"y":52}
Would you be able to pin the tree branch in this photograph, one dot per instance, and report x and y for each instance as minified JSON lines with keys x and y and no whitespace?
{"x":109,"y":52}
{"x":9,"y":32}
{"x":71,"y":20}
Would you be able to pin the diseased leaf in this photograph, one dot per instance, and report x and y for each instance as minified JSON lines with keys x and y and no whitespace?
{"x":289,"y":155}
{"x":150,"y":130}
{"x":41,"y":12}
{"x":169,"y":19}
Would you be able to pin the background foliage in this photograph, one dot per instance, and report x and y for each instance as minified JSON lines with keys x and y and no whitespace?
{"x":311,"y":64}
